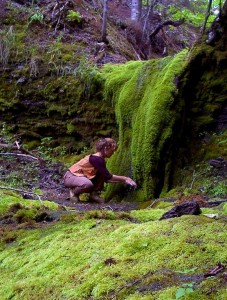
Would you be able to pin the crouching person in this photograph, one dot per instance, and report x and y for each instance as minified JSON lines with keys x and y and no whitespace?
{"x":90,"y":173}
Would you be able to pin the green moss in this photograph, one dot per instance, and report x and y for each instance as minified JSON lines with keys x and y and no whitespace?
{"x":225,"y":209}
{"x":71,"y":128}
{"x":24,"y":215}
{"x":146,"y":215}
{"x":143,"y":96}
{"x":80,"y":258}
{"x":216,"y":146}
{"x":9,"y":198}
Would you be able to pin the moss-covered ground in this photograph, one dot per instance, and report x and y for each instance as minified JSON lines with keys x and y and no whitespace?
{"x":112,"y":255}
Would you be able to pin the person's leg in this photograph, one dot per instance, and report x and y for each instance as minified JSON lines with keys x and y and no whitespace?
{"x":94,"y":197}
{"x":98,"y":182}
{"x":77,"y":185}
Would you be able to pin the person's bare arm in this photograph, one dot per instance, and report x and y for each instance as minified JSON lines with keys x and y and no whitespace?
{"x":124,"y":179}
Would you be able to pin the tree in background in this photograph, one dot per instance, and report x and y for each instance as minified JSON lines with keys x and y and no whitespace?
{"x":104,"y":21}
{"x":136,"y":7}
{"x":173,"y":24}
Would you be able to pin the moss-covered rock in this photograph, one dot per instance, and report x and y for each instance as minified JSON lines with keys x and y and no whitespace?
{"x":144,"y":96}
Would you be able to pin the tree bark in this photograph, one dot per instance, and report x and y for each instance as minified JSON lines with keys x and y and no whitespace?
{"x":150,"y":9}
{"x":218,"y":31}
{"x":165,"y":23}
{"x":136,"y":10}
{"x":104,"y":21}
{"x":207,"y":15}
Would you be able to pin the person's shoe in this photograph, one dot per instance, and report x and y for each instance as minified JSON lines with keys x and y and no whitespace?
{"x":73,"y":197}
{"x":94,"y":197}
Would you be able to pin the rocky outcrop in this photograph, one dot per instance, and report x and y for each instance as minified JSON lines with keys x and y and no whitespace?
{"x":186,"y":208}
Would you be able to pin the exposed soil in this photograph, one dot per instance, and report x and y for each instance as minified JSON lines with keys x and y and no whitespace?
{"x":28,"y":176}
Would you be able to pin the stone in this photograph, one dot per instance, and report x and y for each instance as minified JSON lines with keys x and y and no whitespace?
{"x":186,"y":208}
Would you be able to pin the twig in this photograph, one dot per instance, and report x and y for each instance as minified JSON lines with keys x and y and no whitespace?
{"x":60,"y":12}
{"x":153,"y":203}
{"x":106,"y":207}
{"x":215,"y":271}
{"x":147,"y":16}
{"x":18,"y":154}
{"x":193,"y":179}
{"x":21,"y":191}
{"x":17,"y":146}
{"x":128,"y":285}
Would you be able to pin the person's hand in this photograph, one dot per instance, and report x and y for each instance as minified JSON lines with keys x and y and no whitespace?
{"x":130,"y":182}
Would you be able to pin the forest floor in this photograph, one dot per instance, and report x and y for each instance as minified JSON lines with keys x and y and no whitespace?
{"x":48,"y":178}
{"x":30,"y":179}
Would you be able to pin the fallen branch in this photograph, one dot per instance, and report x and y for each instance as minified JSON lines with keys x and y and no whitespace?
{"x":21,"y":191}
{"x":18,"y":154}
{"x":16,"y":146}
{"x":165,"y":23}
{"x":215,"y":271}
{"x":130,"y":284}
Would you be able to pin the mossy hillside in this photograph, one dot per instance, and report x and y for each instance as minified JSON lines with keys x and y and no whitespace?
{"x":144,"y":96}
{"x":50,"y":87}
{"x":58,"y":107}
{"x":83,"y":256}
{"x":47,"y":82}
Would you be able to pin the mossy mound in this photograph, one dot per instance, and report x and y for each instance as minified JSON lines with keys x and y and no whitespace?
{"x":145,"y":98}
{"x":16,"y":210}
{"x":165,"y":110}
{"x":104,"y":255}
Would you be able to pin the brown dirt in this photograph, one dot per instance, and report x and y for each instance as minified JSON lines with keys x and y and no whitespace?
{"x":20,"y":173}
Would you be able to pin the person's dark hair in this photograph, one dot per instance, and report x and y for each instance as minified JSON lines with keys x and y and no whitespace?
{"x":107,"y":143}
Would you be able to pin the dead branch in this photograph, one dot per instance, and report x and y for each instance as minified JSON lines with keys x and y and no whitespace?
{"x":21,"y":191}
{"x":16,"y":146}
{"x":130,"y":284}
{"x":59,"y":11}
{"x":207,"y":16}
{"x":163,"y":24}
{"x":18,"y":154}
{"x":215,"y":271}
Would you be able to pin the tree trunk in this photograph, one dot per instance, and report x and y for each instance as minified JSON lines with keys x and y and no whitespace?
{"x":217,"y":34}
{"x":149,"y":11}
{"x":104,"y":21}
{"x":207,"y":15}
{"x":136,"y":10}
